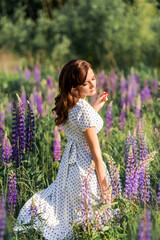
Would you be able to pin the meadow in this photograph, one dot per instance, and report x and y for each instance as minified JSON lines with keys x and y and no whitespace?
{"x":31,"y":148}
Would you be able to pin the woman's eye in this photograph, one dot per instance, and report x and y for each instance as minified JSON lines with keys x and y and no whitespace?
{"x":84,"y":84}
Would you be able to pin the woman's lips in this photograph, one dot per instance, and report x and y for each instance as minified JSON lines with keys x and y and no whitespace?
{"x":93,"y":90}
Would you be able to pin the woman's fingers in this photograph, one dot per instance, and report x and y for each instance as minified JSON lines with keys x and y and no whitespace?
{"x":105,"y":98}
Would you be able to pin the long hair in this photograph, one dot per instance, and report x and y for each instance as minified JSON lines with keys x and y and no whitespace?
{"x":73,"y":73}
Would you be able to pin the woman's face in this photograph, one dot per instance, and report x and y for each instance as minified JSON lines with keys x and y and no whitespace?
{"x":88,"y":88}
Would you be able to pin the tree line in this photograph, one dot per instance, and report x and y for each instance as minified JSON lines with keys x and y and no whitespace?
{"x":106,"y":32}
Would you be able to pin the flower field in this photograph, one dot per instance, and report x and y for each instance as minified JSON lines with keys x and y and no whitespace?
{"x":31,"y":148}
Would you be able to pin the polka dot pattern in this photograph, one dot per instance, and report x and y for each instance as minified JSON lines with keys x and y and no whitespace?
{"x":60,"y":202}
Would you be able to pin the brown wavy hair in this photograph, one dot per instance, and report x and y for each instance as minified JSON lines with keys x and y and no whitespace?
{"x":73,"y":73}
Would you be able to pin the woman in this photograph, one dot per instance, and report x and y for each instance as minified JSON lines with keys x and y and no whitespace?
{"x":60,"y":202}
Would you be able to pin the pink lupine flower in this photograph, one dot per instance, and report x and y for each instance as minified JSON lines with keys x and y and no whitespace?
{"x":115,"y":177}
{"x":144,"y":177}
{"x":131,"y":182}
{"x":57,"y":145}
{"x":123,"y":91}
{"x":113,"y":82}
{"x":12,"y":192}
{"x":145,"y":227}
{"x":27,"y":74}
{"x":9,"y":108}
{"x":146,"y":93}
{"x":23,"y":97}
{"x":133,"y":87}
{"x":37,"y":74}
{"x":109,"y":119}
{"x":40,"y":108}
{"x":102,"y":80}
{"x":6,"y":150}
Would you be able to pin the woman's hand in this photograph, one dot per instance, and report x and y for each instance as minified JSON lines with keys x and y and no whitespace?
{"x":102,"y":98}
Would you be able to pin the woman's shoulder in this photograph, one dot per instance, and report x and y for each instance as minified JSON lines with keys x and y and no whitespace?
{"x":81,"y":106}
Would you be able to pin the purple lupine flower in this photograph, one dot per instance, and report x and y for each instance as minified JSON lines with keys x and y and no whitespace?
{"x":133,"y":87}
{"x":144,"y":177}
{"x":49,"y":82}
{"x":12,"y":192}
{"x":9,"y":108}
{"x":37,"y":74}
{"x":2,"y":216}
{"x":122,"y":118}
{"x":21,"y":127}
{"x":113,"y":81}
{"x":134,"y":147}
{"x":158,"y":195}
{"x":86,"y":209}
{"x":2,"y":117}
{"x":127,"y":146}
{"x":115,"y":177}
{"x":35,"y":95}
{"x":30,"y":128}
{"x":145,"y":227}
{"x":18,"y":133}
{"x":85,"y":212}
{"x":123,"y":91}
{"x":102,"y":80}
{"x":131,"y":182}
{"x":1,"y":134}
{"x":40,"y":108}
{"x":27,"y":74}
{"x":130,"y":93}
{"x":23,"y":97}
{"x":135,"y":83}
{"x":57,"y":145}
{"x":6,"y":150}
{"x":15,"y":126}
{"x":108,"y":119}
{"x":131,"y":140}
{"x":60,"y":128}
{"x":154,"y":86}
{"x":146,"y":93}
{"x":33,"y":211}
{"x":50,"y":96}
{"x":16,"y":68}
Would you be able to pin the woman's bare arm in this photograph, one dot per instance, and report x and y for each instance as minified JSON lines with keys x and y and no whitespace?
{"x":93,"y":143}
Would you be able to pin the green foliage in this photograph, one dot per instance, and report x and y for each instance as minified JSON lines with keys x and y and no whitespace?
{"x":106,"y":33}
{"x":39,"y":169}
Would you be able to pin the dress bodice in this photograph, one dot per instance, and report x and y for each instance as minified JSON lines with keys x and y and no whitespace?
{"x":81,"y":117}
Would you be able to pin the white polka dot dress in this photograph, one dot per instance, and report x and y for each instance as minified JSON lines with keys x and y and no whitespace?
{"x":59,"y":203}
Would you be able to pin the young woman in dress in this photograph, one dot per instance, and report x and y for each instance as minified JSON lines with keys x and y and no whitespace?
{"x":77,"y":80}
{"x":61,"y":201}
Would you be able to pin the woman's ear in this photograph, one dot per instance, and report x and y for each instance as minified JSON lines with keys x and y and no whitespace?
{"x":74,"y":92}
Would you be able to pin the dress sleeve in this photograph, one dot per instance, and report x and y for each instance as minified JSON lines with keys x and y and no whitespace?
{"x":86,"y":116}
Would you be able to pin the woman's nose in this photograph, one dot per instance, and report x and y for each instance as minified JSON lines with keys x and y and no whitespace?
{"x":92,"y":85}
